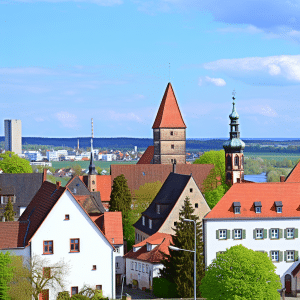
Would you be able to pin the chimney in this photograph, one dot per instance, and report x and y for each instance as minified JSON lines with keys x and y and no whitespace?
{"x":174,"y":166}
{"x":58,"y":184}
{"x":282,"y":178}
{"x":45,"y":175}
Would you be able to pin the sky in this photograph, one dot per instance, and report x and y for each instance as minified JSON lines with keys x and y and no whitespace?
{"x":65,"y":62}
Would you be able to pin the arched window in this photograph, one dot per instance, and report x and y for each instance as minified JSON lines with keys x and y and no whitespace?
{"x":229,"y":165}
{"x":236,"y":161}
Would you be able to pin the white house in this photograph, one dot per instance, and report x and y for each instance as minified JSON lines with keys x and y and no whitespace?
{"x":55,"y":226}
{"x":143,"y":262}
{"x":33,"y":155}
{"x":52,"y":155}
{"x":262,"y":217}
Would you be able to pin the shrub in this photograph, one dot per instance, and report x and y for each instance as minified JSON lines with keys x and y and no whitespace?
{"x":162,"y":288}
{"x":79,"y":297}
{"x":63,"y":296}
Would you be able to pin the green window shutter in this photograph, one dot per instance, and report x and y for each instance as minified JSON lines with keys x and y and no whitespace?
{"x":285,"y":235}
{"x":270,"y":254}
{"x":280,"y":256}
{"x":254,"y":233}
{"x":296,"y":255}
{"x":217,"y":234}
{"x":233,"y":233}
{"x":285,"y":255}
{"x":269,"y":233}
{"x":296,"y":233}
{"x":280,"y":233}
{"x":228,"y":234}
{"x":244,"y":233}
{"x":265,"y":233}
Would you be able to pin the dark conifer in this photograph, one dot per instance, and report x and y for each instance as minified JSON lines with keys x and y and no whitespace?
{"x":179,"y":265}
{"x":9,"y":213}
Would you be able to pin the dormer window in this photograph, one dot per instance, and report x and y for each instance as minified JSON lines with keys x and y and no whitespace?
{"x":257,"y":206}
{"x":158,"y":209}
{"x":150,"y":223}
{"x":237,"y":207}
{"x":278,"y":206}
{"x":143,"y":220}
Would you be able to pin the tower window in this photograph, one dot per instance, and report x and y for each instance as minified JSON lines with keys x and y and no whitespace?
{"x":236,"y":161}
{"x":172,"y":146}
{"x":93,"y":182}
{"x":171,"y":133}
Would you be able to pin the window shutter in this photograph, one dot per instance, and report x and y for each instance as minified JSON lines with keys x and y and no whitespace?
{"x":244,"y":233}
{"x":280,"y":256}
{"x":254,"y":233}
{"x":280,"y":233}
{"x":270,"y":253}
{"x":228,"y":235}
{"x":233,"y":233}
{"x":265,"y":233}
{"x":296,"y":233}
{"x":217,"y":234}
{"x":285,"y":234}
{"x":285,"y":254}
{"x":270,"y":233}
{"x":296,"y":255}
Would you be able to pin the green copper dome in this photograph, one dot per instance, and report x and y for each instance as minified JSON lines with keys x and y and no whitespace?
{"x":234,"y":114}
{"x":234,"y":143}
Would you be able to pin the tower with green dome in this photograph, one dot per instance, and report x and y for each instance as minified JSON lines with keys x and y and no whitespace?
{"x":234,"y":148}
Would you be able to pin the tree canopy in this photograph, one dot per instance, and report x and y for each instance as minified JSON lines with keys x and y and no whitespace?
{"x":6,"y":275}
{"x":241,"y":273}
{"x":9,"y":213}
{"x":12,"y":163}
{"x":179,"y":265}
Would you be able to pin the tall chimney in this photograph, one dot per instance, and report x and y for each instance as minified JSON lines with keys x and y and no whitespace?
{"x":58,"y":184}
{"x":174,"y":166}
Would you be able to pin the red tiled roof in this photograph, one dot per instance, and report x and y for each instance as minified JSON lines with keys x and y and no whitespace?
{"x":12,"y":234}
{"x":110,"y":223}
{"x":294,"y":175}
{"x":266,"y":193}
{"x":155,"y":255}
{"x":104,"y":186}
{"x":147,"y":156}
{"x":140,"y":174}
{"x":169,"y":115}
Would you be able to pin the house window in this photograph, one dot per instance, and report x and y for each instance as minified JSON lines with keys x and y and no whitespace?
{"x":48,"y":247}
{"x":237,"y":210}
{"x":94,"y":267}
{"x":117,"y":249}
{"x":132,"y":266}
{"x":140,"y":267}
{"x":290,"y":233}
{"x":4,"y":199}
{"x":143,"y":268}
{"x":258,"y":209}
{"x":171,"y":133}
{"x":275,"y":255}
{"x":136,"y":266}
{"x":259,"y":234}
{"x":158,"y":209}
{"x":196,"y":205}
{"x":46,"y":272}
{"x":175,"y":223}
{"x":143,"y":220}
{"x":172,"y":146}
{"x":150,"y":223}
{"x":290,"y":255}
{"x":99,"y":287}
{"x":237,"y":234}
{"x":74,"y":290}
{"x":74,"y":245}
{"x":117,"y":265}
{"x":147,"y":269}
{"x":191,"y":190}
{"x":279,"y":209}
{"x":222,"y":234}
{"x":67,"y":217}
{"x":44,"y":295}
{"x":274,"y":233}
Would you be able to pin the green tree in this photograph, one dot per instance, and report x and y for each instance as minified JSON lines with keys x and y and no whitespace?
{"x":9,"y":213}
{"x":77,"y":170}
{"x":179,"y":265}
{"x":6,"y":275}
{"x":99,"y":170}
{"x":241,"y":273}
{"x":12,"y":163}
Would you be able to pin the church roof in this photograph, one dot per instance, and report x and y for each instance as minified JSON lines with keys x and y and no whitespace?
{"x":147,"y":157}
{"x":169,"y":115}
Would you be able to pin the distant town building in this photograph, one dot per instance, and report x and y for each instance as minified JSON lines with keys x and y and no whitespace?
{"x":52,"y":155}
{"x":13,"y":136}
{"x":33,"y":155}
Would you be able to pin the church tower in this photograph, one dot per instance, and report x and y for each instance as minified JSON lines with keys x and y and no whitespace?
{"x":92,"y":175}
{"x":169,"y":131}
{"x":234,"y":147}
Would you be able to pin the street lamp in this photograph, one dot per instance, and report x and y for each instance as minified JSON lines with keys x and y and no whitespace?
{"x":179,"y":249}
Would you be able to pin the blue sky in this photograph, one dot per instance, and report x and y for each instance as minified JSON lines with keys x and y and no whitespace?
{"x":65,"y":62}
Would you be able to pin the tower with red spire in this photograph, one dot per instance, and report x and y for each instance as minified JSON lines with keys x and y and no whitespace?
{"x":169,"y":131}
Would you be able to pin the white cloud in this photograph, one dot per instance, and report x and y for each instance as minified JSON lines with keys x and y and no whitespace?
{"x":208,"y":80}
{"x":279,"y":70}
{"x":67,"y":119}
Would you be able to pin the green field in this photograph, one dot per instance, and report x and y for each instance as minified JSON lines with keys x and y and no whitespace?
{"x":276,"y":156}
{"x":105,"y":165}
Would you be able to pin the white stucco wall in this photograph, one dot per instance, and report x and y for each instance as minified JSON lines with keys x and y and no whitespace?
{"x":120,"y":260}
{"x":94,"y":248}
{"x":25,"y":252}
{"x":213,"y":245}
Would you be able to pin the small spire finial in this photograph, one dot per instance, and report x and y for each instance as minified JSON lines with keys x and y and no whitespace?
{"x":233,"y":95}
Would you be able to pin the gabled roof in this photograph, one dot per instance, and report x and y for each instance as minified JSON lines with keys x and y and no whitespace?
{"x":104,"y":187}
{"x":155,"y":255}
{"x":294,"y":175}
{"x":169,"y":115}
{"x":111,"y":225}
{"x":140,"y":174}
{"x":147,"y":157}
{"x":167,"y":196}
{"x":266,"y":193}
{"x":12,"y":234}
